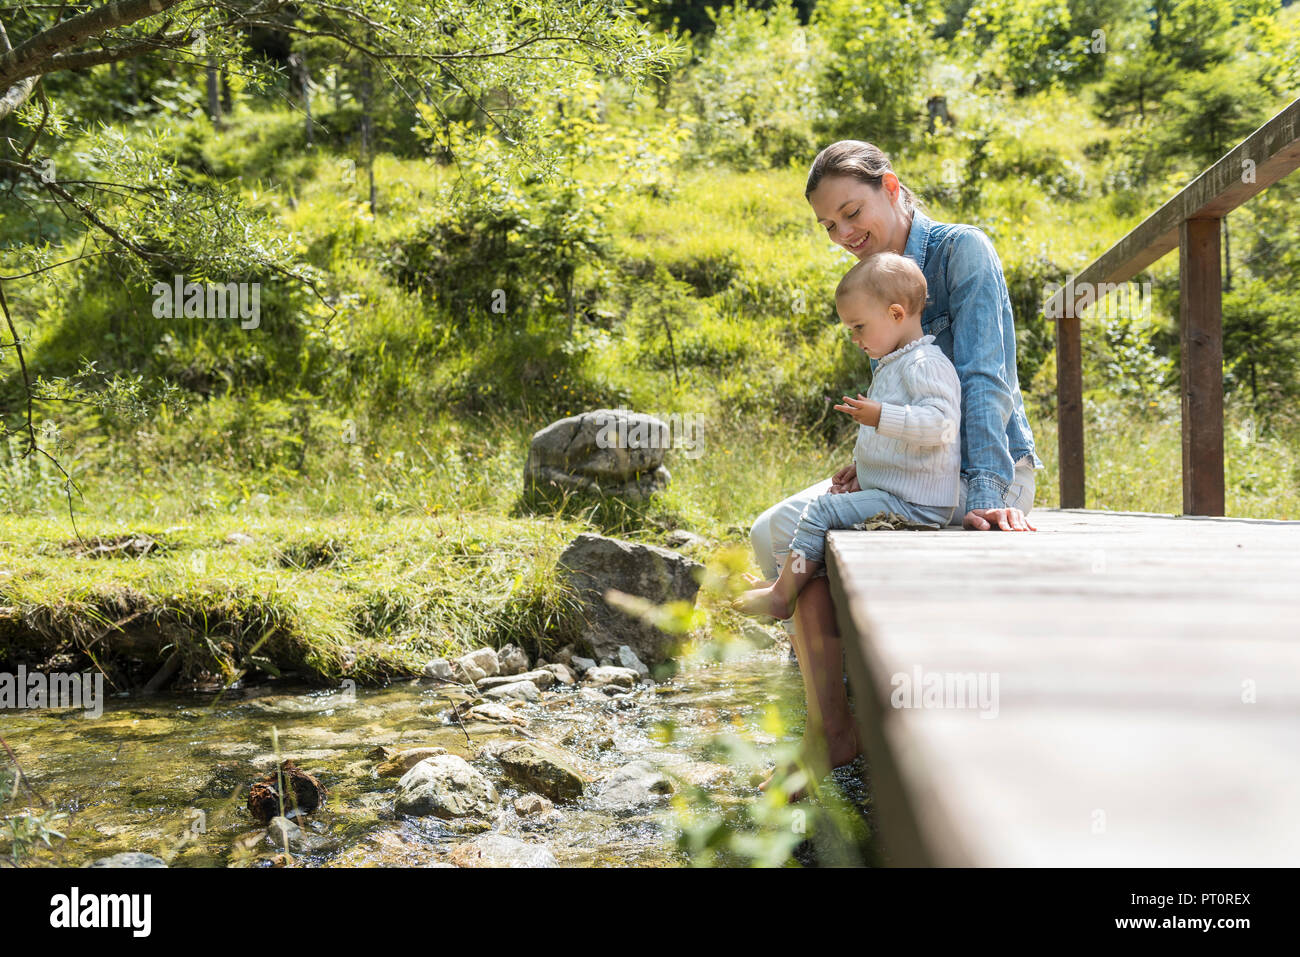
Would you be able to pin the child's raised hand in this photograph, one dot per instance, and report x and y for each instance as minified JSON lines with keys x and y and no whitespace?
{"x":864,"y":411}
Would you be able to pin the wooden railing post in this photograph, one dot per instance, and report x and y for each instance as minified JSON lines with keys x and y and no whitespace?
{"x":1190,"y":220}
{"x":1069,"y":409}
{"x":1201,"y":343}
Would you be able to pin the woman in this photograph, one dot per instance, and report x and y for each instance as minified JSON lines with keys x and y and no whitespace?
{"x":858,"y":199}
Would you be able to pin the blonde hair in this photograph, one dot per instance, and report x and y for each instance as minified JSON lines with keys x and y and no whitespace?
{"x":857,"y":159}
{"x":888,"y":278}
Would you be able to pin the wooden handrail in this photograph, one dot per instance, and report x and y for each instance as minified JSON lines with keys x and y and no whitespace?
{"x":1191,"y":222}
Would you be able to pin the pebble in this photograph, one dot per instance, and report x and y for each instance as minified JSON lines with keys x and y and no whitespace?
{"x":497,"y":850}
{"x":534,"y":805}
{"x":283,"y":831}
{"x":130,"y":859}
{"x":610,"y":675}
{"x":516,"y":691}
{"x":627,"y":659}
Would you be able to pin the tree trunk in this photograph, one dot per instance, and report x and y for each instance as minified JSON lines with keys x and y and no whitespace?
{"x":214,"y":93}
{"x":301,"y":74}
{"x":367,"y":131}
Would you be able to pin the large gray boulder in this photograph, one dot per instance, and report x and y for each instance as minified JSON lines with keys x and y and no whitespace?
{"x":444,"y":786}
{"x":549,"y":774}
{"x":477,"y":665}
{"x":606,"y":452}
{"x":512,"y":660}
{"x":603,"y":675}
{"x":595,"y":564}
{"x":636,"y":783}
{"x":515,"y":691}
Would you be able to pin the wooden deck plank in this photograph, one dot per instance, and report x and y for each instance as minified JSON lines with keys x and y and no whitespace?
{"x":1122,"y":645}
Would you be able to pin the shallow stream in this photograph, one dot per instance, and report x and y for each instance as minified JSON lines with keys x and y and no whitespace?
{"x":169,"y":775}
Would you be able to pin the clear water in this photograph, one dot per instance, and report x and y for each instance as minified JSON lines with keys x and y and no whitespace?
{"x":170,"y":775}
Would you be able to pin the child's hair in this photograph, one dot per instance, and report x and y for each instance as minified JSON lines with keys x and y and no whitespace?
{"x":889,"y":278}
{"x":861,"y":161}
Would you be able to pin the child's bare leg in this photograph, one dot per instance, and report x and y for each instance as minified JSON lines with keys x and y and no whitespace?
{"x":778,"y":598}
{"x":830,"y":736}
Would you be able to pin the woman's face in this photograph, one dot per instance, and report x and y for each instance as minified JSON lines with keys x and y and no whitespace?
{"x":862,"y":218}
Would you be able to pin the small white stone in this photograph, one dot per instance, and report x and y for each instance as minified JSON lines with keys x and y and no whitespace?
{"x":627,"y":659}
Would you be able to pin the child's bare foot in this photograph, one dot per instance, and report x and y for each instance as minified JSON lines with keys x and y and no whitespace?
{"x":763,"y":601}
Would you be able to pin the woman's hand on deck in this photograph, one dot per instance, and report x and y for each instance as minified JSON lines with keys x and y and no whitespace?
{"x":1000,"y":519}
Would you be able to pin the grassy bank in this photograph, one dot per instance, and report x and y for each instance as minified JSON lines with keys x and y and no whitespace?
{"x":367,"y":575}
{"x":359,"y":596}
{"x":372,"y":451}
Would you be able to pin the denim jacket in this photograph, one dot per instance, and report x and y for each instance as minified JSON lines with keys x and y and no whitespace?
{"x":968,"y":311}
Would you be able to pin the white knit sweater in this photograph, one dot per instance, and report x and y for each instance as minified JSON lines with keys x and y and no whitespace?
{"x":915,"y":451}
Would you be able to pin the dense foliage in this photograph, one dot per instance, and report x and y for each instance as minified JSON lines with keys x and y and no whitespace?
{"x":438,"y":234}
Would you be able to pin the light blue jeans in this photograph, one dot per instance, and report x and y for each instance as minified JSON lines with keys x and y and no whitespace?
{"x":774,"y":530}
{"x":846,"y":509}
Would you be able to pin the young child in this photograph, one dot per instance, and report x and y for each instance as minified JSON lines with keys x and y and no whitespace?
{"x":908,"y":453}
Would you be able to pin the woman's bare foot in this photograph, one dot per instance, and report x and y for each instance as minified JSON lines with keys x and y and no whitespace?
{"x":792,"y":778}
{"x":843,"y":750}
{"x":753,"y":581}
{"x":763,"y":601}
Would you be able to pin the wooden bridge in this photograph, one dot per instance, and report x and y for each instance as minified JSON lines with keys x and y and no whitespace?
{"x":1116,"y":688}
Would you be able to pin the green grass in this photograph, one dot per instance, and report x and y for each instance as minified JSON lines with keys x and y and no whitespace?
{"x":368,"y":573}
{"x":1133,"y":462}
{"x":359,"y":596}
{"x":377,"y":460}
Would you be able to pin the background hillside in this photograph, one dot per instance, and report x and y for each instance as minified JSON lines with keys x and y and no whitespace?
{"x":646,"y":244}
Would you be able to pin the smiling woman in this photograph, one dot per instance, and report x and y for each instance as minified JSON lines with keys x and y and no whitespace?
{"x":858,"y":199}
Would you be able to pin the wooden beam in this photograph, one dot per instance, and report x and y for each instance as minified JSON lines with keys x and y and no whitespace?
{"x":1126,"y":650}
{"x":1069,"y":412}
{"x":1256,"y":163}
{"x":916,"y":833}
{"x":1201,"y":337}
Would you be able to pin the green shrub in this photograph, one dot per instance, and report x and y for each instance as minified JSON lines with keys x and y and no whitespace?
{"x":753,"y":88}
